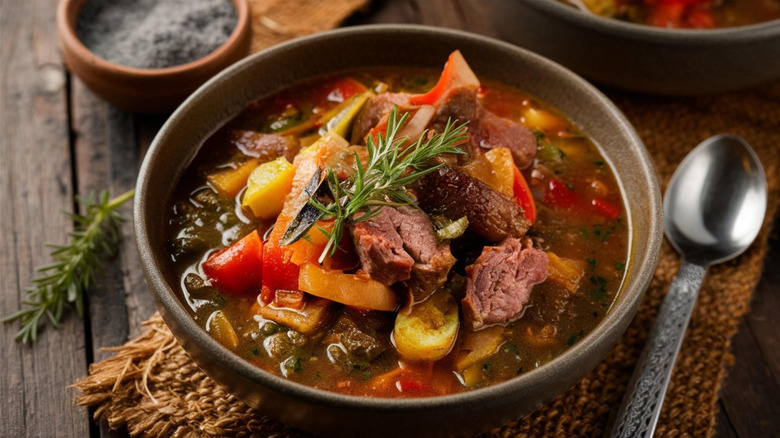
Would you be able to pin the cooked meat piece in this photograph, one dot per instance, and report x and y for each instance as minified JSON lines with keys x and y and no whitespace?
{"x":381,"y":249}
{"x":355,"y":344}
{"x":491,"y":131}
{"x":487,"y":129}
{"x":266,"y":147}
{"x":373,"y":111}
{"x":399,"y":244}
{"x":454,"y":194}
{"x":460,"y":105}
{"x":499,"y":283}
{"x":432,"y":257}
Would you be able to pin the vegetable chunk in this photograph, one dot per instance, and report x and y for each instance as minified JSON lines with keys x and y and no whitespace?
{"x":267,"y":187}
{"x":237,"y":270}
{"x":350,"y":289}
{"x":230,"y":181}
{"x":428,"y":331}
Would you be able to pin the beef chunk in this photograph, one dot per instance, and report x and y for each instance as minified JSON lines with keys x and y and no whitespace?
{"x":486,"y":128}
{"x":356,"y":343}
{"x":399,"y":244}
{"x":491,"y":131}
{"x":432,"y":257}
{"x":381,"y":249}
{"x":460,"y":104}
{"x":454,"y":194}
{"x":499,"y":283}
{"x":373,"y":111}
{"x":266,"y":147}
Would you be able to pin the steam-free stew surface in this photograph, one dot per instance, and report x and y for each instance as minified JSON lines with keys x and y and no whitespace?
{"x":580,"y":223}
{"x":690,"y":14}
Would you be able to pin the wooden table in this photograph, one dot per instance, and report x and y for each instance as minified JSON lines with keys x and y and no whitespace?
{"x":57,"y":139}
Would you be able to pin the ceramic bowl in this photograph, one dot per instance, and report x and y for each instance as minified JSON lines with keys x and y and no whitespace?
{"x":333,"y":414}
{"x":643,"y":58}
{"x":148,"y":90}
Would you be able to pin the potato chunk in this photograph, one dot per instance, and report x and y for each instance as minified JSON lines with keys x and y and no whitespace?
{"x":267,"y":187}
{"x":428,"y":331}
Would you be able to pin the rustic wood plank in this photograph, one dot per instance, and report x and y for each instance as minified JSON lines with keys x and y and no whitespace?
{"x":750,"y":395}
{"x":102,"y":136}
{"x":762,"y":319}
{"x":443,"y":13}
{"x":140,"y":302}
{"x":36,"y":185}
{"x":474,"y":18}
{"x":723,"y":427}
{"x":386,"y":11}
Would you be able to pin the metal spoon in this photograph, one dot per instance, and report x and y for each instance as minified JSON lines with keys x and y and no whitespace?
{"x":713,"y":209}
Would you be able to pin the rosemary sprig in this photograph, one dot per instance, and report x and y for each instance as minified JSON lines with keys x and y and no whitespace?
{"x":63,"y":283}
{"x":384,"y":179}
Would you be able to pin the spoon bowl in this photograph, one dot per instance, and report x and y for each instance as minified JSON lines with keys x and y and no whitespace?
{"x":714,"y":199}
{"x":713,"y":210}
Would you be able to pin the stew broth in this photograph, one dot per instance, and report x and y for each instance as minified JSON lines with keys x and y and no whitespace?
{"x":580,"y":224}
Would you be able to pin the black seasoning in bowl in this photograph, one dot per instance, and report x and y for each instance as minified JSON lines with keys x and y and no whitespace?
{"x":155,"y":33}
{"x":149,"y":55}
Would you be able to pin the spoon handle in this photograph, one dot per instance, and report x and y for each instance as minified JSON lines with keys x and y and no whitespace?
{"x":641,"y":406}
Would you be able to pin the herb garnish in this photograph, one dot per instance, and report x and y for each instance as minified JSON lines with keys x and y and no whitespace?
{"x":384,"y":179}
{"x":63,"y":283}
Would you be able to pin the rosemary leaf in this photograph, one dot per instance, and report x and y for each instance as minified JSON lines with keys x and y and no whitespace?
{"x":63,"y":283}
{"x":383,"y":180}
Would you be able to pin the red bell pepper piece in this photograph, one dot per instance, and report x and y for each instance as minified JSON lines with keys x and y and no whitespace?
{"x":342,"y":89}
{"x":605,"y":208}
{"x":560,"y":195}
{"x":278,"y":271}
{"x":411,"y":385}
{"x":456,"y":74}
{"x":699,"y":18}
{"x":523,"y":196}
{"x":667,"y":14}
{"x":237,"y":269}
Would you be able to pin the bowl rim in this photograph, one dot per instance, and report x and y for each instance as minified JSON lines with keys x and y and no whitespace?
{"x":68,"y":35}
{"x":171,"y":306}
{"x":642,"y":32}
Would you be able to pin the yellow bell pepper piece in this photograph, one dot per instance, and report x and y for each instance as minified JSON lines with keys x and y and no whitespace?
{"x":502,"y":163}
{"x":350,"y":289}
{"x":340,"y":118}
{"x":267,"y":187}
{"x":540,"y":119}
{"x":229,"y":182}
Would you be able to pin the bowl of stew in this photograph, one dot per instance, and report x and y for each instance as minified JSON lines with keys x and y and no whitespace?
{"x":671,"y":47}
{"x":358,"y":237}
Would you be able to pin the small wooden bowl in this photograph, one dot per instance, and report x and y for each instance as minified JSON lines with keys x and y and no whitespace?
{"x":144,"y":89}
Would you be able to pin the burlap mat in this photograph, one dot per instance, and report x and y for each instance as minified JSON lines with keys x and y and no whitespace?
{"x":152,"y":387}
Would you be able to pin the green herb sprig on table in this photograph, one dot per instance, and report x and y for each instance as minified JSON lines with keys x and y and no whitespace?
{"x":384,"y":179}
{"x":63,"y":283}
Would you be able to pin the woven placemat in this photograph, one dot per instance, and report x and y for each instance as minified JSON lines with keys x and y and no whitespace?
{"x":152,"y":388}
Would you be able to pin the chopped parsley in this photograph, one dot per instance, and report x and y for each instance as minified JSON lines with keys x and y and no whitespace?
{"x":601,"y":287}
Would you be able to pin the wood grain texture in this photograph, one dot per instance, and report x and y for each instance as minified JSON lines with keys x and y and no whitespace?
{"x":750,"y":396}
{"x":102,"y":137}
{"x":36,"y":186}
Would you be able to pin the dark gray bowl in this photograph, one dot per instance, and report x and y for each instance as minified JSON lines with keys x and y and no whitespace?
{"x":643,"y":58}
{"x":339,"y":415}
